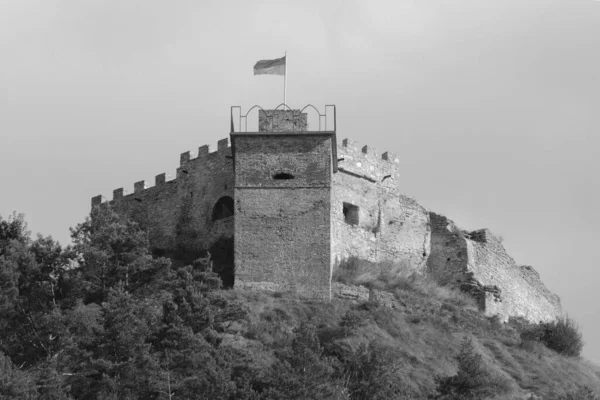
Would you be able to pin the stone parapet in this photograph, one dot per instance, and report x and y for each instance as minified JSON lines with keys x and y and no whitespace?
{"x":368,"y":163}
{"x":186,"y":159}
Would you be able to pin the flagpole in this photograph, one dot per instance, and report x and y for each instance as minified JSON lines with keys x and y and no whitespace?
{"x":285,"y":80}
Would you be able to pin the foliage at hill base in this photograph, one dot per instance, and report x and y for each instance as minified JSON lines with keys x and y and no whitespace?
{"x":102,"y":319}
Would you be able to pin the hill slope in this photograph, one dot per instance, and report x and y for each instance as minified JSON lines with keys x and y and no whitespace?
{"x":105,"y":320}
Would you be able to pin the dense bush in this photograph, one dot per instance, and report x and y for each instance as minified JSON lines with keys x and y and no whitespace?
{"x":582,"y":393}
{"x":562,"y":335}
{"x":104,"y":319}
{"x":577,"y":393}
{"x":473,"y":380}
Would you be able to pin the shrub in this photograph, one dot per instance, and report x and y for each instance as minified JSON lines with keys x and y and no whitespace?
{"x":371,"y":373}
{"x":473,"y":380}
{"x":459,"y":232}
{"x":352,"y":320}
{"x":580,"y":393}
{"x":382,"y":275}
{"x":347,"y":271}
{"x":563,"y":336}
{"x":14,"y":384}
{"x":533,"y":333}
{"x":495,"y":322}
{"x":520,"y":324}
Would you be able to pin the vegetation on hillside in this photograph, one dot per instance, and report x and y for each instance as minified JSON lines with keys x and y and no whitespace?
{"x":103,"y":319}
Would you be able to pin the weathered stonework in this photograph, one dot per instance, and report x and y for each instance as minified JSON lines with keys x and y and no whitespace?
{"x":177,"y":212}
{"x":282,"y":121}
{"x":361,"y":293}
{"x":282,"y":226}
{"x":391,"y":226}
{"x":282,"y":207}
{"x":477,"y":262}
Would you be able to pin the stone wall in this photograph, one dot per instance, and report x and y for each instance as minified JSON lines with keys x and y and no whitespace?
{"x":389,"y":226}
{"x":282,"y":121}
{"x":361,"y":293}
{"x":477,"y":262}
{"x":282,"y":223}
{"x":295,"y":205}
{"x":178,"y":212}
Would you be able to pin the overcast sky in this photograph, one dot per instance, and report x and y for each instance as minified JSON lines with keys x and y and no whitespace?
{"x":491,"y":105}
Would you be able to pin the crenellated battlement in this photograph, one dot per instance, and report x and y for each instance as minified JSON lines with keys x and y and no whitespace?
{"x":367,"y":162}
{"x":186,"y":160}
{"x":223,"y":148}
{"x":294,"y":206}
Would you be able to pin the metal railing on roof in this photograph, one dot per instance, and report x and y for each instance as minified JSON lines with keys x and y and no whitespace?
{"x":326,"y":120}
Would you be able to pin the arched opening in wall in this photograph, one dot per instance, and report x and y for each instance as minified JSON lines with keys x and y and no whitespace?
{"x":221,"y":257}
{"x":283,"y":175}
{"x":223,"y":208}
{"x":350,"y":213}
{"x":221,"y":253}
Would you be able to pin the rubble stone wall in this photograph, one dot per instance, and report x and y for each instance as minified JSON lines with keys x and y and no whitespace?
{"x":178,"y":212}
{"x":477,"y":262}
{"x":286,"y":206}
{"x":391,"y":227}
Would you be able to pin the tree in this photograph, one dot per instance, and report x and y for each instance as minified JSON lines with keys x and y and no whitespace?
{"x":113,"y":250}
{"x":302,"y":372}
{"x":563,"y":336}
{"x":14,"y":384}
{"x":371,"y":373}
{"x":23,"y":303}
{"x":473,"y":380}
{"x":14,"y":228}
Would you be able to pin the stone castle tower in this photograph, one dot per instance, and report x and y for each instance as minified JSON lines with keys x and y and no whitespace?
{"x":282,"y":224}
{"x":282,"y":206}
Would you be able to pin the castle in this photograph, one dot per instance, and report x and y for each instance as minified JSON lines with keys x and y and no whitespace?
{"x":280,"y":207}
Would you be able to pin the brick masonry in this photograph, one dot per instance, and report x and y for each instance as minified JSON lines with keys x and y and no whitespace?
{"x":282,"y":121}
{"x":283,"y":226}
{"x":177,"y":212}
{"x":282,"y":207}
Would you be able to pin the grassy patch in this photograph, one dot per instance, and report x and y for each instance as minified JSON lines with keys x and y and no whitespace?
{"x":423,"y":338}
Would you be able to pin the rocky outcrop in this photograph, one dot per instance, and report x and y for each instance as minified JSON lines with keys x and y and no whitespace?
{"x":361,"y":293}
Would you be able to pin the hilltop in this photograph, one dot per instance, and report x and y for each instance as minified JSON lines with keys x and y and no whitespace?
{"x":104,"y":319}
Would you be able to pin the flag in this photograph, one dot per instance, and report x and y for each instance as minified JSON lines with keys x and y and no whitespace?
{"x":270,"y":67}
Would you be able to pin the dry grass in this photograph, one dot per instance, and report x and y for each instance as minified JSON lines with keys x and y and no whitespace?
{"x":425,"y":336}
{"x":399,"y":278}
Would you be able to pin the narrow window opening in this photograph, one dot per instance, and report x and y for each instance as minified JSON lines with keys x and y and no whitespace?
{"x":350,"y":213}
{"x":223,"y":208}
{"x":283,"y":175}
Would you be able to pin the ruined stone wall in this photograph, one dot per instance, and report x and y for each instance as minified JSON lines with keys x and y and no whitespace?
{"x":295,"y":205}
{"x":178,"y":213}
{"x":478,"y":262}
{"x":391,"y":227}
{"x":282,"y":226}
